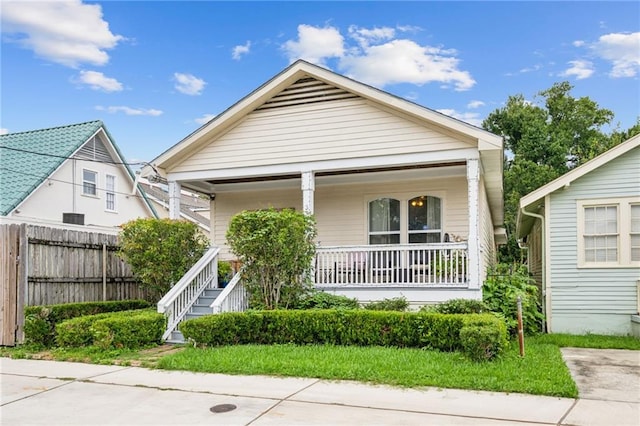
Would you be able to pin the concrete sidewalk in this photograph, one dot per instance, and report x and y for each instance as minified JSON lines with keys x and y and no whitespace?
{"x":57,"y":393}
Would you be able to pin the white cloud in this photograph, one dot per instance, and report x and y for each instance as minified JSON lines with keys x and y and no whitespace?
{"x":578,"y":43}
{"x":3,"y":131}
{"x":188,"y":84}
{"x":205,"y":118}
{"x":404,"y":61}
{"x":98,"y":81}
{"x":130,"y":111}
{"x":315,"y":44}
{"x":622,"y":50}
{"x":66,"y":32}
{"x":240,"y":50}
{"x":475,"y":104}
{"x":468,"y":117}
{"x":376,"y":57}
{"x":580,"y":69}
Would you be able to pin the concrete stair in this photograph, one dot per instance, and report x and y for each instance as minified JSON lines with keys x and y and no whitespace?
{"x":201,"y":307}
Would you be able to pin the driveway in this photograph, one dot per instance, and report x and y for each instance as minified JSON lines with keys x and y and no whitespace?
{"x":608,"y":383}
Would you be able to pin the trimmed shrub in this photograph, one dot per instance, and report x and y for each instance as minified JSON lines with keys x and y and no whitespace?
{"x":461,"y":306}
{"x":40,"y":321}
{"x":128,"y":329}
{"x":322,"y":300}
{"x":483,"y":342}
{"x":343,"y":327}
{"x":399,"y":304}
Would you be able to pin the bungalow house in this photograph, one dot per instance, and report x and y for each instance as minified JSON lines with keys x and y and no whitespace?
{"x":408,"y":201}
{"x":583,"y":235}
{"x":71,"y":174}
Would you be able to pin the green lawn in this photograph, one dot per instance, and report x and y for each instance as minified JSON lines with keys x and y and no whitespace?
{"x":541,"y":372}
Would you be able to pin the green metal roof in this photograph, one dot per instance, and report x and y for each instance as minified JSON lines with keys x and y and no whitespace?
{"x":23,"y":167}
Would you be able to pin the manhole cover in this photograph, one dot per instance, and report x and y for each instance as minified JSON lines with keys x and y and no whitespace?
{"x":222,"y":408}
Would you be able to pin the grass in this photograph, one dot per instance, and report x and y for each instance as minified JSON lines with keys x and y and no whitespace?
{"x":541,"y":372}
{"x":593,"y":341}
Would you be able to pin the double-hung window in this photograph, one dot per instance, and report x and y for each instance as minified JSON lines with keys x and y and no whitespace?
{"x":89,"y":182}
{"x":110,"y":192}
{"x":609,"y":232}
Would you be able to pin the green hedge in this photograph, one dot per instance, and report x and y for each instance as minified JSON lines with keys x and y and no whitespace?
{"x":40,"y":321}
{"x":127,"y":329}
{"x":349,"y":327}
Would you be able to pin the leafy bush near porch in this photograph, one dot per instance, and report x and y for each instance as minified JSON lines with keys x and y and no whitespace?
{"x":276,"y":249}
{"x":500,"y":293}
{"x":40,"y":321}
{"x":351,"y":327}
{"x":321,"y":300}
{"x":127,"y":329}
{"x":399,"y":304}
{"x":458,"y":306}
{"x":161,"y":251}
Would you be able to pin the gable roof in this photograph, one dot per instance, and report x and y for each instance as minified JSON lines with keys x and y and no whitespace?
{"x":303,"y":70}
{"x":536,"y":197}
{"x":29,"y":158}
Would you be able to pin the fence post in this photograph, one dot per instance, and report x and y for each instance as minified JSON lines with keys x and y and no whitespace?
{"x":22,"y":284}
{"x":104,"y":271}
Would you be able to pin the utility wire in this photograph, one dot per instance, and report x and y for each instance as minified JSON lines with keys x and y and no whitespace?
{"x":71,"y":183}
{"x":44,"y":154}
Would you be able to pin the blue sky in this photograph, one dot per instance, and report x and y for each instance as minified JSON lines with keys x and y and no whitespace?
{"x":156,"y":71}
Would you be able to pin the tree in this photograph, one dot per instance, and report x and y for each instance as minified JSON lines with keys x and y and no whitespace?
{"x":161,"y":251}
{"x":276,"y":249}
{"x":544,"y":141}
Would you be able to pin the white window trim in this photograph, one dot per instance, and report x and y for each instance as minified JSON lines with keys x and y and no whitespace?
{"x":97,"y":183}
{"x":404,"y":198}
{"x":623,"y":205}
{"x":113,"y":191}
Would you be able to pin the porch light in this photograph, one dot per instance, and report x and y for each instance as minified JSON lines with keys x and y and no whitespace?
{"x":418,"y":203}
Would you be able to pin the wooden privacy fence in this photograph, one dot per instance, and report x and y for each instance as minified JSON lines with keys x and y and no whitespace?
{"x":44,"y":266}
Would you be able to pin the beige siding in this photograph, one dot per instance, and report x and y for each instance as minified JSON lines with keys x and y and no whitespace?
{"x":351,"y":128}
{"x":341,"y":210}
{"x":487,"y":242}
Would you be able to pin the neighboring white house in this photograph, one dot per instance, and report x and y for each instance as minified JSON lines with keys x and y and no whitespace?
{"x":408,"y":201}
{"x":583,"y":234}
{"x":70,"y":174}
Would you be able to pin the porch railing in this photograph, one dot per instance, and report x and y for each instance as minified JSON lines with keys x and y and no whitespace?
{"x":177,"y":302}
{"x":417,"y":265}
{"x":233,"y":298}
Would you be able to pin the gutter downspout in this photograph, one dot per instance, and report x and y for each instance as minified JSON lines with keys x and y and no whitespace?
{"x":544,"y":263}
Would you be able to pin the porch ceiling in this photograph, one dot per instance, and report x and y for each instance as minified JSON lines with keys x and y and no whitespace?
{"x":327,"y":178}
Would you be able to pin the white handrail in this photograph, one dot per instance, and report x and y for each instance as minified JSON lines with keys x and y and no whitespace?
{"x":415,"y":265}
{"x":179,"y":299}
{"x":234,"y":297}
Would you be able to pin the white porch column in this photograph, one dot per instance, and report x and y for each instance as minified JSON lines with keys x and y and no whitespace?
{"x":473,"y":240}
{"x":308,"y":188}
{"x":174,"y":200}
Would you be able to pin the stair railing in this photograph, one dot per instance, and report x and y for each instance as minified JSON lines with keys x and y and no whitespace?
{"x":234,"y":297}
{"x":177,"y":302}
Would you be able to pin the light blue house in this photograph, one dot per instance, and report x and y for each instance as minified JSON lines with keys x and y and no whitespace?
{"x":583,"y":235}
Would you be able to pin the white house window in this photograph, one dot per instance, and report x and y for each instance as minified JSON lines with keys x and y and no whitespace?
{"x":110,"y":192}
{"x":416,"y":220}
{"x":89,"y":182}
{"x":425,"y":220}
{"x":635,"y":232}
{"x":600,"y":234}
{"x":384,"y":221}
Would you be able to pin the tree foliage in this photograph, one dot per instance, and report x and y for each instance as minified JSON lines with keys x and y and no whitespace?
{"x":543,"y":140}
{"x":276,"y":249}
{"x":161,"y":251}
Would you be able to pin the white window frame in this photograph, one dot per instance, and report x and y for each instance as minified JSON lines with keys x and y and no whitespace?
{"x":404,"y":199}
{"x":110,"y":192}
{"x":95,"y":183}
{"x":623,"y":205}
{"x":632,"y":233}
